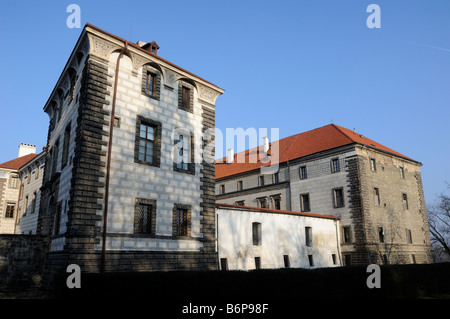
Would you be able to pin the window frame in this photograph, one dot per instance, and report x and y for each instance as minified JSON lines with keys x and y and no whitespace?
{"x":302,"y":202}
{"x":302,"y":170}
{"x":376,"y":196}
{"x":308,"y":236}
{"x":156,"y":142}
{"x":190,"y":165}
{"x":186,"y":225}
{"x":152,"y":206}
{"x":335,"y":168}
{"x":256,"y":234}
{"x":373,"y":164}
{"x":182,"y":87}
{"x":335,"y":197}
{"x":10,"y":213}
{"x":156,"y":90}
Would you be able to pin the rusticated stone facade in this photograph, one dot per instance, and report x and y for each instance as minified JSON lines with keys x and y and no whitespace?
{"x":122,"y":203}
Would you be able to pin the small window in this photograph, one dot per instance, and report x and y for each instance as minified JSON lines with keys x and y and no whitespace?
{"x":222,"y":189}
{"x":150,"y":84}
{"x":261,"y":180}
{"x":14,"y":181}
{"x":183,"y":153}
{"x":277,"y":202}
{"x":10,"y":209}
{"x":239,"y":185}
{"x":287,"y":263}
{"x":262,"y":202}
{"x":381,"y":234}
{"x":304,"y":203}
{"x":65,"y":150}
{"x":240,"y":203}
{"x":311,"y":260}
{"x":256,"y":233}
{"x":333,"y":258}
{"x":373,"y":165}
{"x":257,"y":262}
{"x":335,"y":165}
{"x":402,"y":172}
{"x":405,"y":201}
{"x":148,"y":141}
{"x":186,"y":98}
{"x":37,"y":171}
{"x":276,"y":178}
{"x":181,"y":222}
{"x":347,"y":234}
{"x":308,"y":236}
{"x":376,"y":196}
{"x":338,"y":197}
{"x":117,"y":121}
{"x":303,"y":173}
{"x":33,"y":203}
{"x":223,"y":264}
{"x":408,"y":236}
{"x":145,"y":216}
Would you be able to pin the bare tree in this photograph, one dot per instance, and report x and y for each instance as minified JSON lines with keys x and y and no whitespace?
{"x":439,"y":221}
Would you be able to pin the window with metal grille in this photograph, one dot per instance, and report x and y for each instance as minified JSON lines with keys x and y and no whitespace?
{"x":181,"y":220}
{"x":256,"y":233}
{"x":144,"y":219}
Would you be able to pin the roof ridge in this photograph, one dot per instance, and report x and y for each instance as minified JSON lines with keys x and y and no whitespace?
{"x":342,"y":132}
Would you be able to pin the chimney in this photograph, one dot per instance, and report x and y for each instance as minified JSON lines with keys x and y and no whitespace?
{"x":266,"y":144}
{"x":230,"y":156}
{"x":25,"y":149}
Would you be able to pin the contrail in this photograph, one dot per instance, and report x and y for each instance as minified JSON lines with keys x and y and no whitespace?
{"x":433,"y":47}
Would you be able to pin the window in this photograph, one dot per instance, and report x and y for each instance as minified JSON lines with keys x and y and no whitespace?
{"x":14,"y":181}
{"x":276,"y":178}
{"x":261,"y":180}
{"x":308,"y":237}
{"x":408,"y":236}
{"x":347,"y":234}
{"x":185,"y":96}
{"x":276,"y":202}
{"x":65,"y":151}
{"x":304,"y":203}
{"x":151,"y":82}
{"x":373,"y":165}
{"x":223,"y":264}
{"x":335,"y":165}
{"x":303,"y":173}
{"x":26,"y":205}
{"x":333,"y":257}
{"x":239,"y":185}
{"x":148,"y":142}
{"x":262,"y":202}
{"x":311,"y":260}
{"x":240,"y":203}
{"x":376,"y":196}
{"x":381,"y":234}
{"x":287,"y":263}
{"x":222,"y":189}
{"x":183,"y":153}
{"x":405,"y":201}
{"x":57,"y":221}
{"x":402,"y":172}
{"x":10,"y":208}
{"x":338,"y":197}
{"x":29,"y":176}
{"x":144,"y":216}
{"x":116,"y":121}
{"x":33,"y":203}
{"x":36,"y":175}
{"x":181,"y":220}
{"x":256,"y":233}
{"x":257,"y":262}
{"x":54,"y":153}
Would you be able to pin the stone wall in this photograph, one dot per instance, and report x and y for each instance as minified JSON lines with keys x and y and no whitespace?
{"x":22,"y":259}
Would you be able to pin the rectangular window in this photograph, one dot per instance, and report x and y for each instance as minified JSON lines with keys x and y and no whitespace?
{"x":144,"y":219}
{"x":311,"y":260}
{"x":402,"y":172}
{"x":181,"y":219}
{"x":150,"y":84}
{"x":261,"y":180}
{"x":333,"y":257}
{"x":223,"y":264}
{"x":303,"y":173}
{"x":117,"y":121}
{"x":183,"y":153}
{"x":262,"y":202}
{"x":373,"y":165}
{"x":240,"y":203}
{"x":10,"y":208}
{"x":146,"y":143}
{"x":239,"y":185}
{"x":26,"y":205}
{"x":14,"y":181}
{"x":277,"y":202}
{"x":308,"y":236}
{"x":186,"y":98}
{"x":256,"y":233}
{"x":65,"y":151}
{"x":276,"y":178}
{"x":347,"y":234}
{"x":55,"y":155}
{"x":287,"y":263}
{"x":408,"y":236}
{"x":381,"y":234}
{"x":335,"y":165}
{"x":257,"y":262}
{"x":37,"y":172}
{"x":304,"y":203}
{"x":376,"y":196}
{"x":405,"y":201}
{"x":33,"y":203}
{"x":338,"y":197}
{"x":222,"y":189}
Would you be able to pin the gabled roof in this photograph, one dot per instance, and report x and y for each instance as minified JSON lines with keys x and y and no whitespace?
{"x":296,"y":146}
{"x":17,"y":163}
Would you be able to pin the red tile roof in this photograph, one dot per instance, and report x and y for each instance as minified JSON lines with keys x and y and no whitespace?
{"x":296,"y":146}
{"x":278,"y":211}
{"x":17,"y":163}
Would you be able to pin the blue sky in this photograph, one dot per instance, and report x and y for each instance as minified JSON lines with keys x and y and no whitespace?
{"x":292,"y":65}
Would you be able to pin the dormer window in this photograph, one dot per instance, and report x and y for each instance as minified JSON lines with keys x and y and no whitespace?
{"x":151,"y":47}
